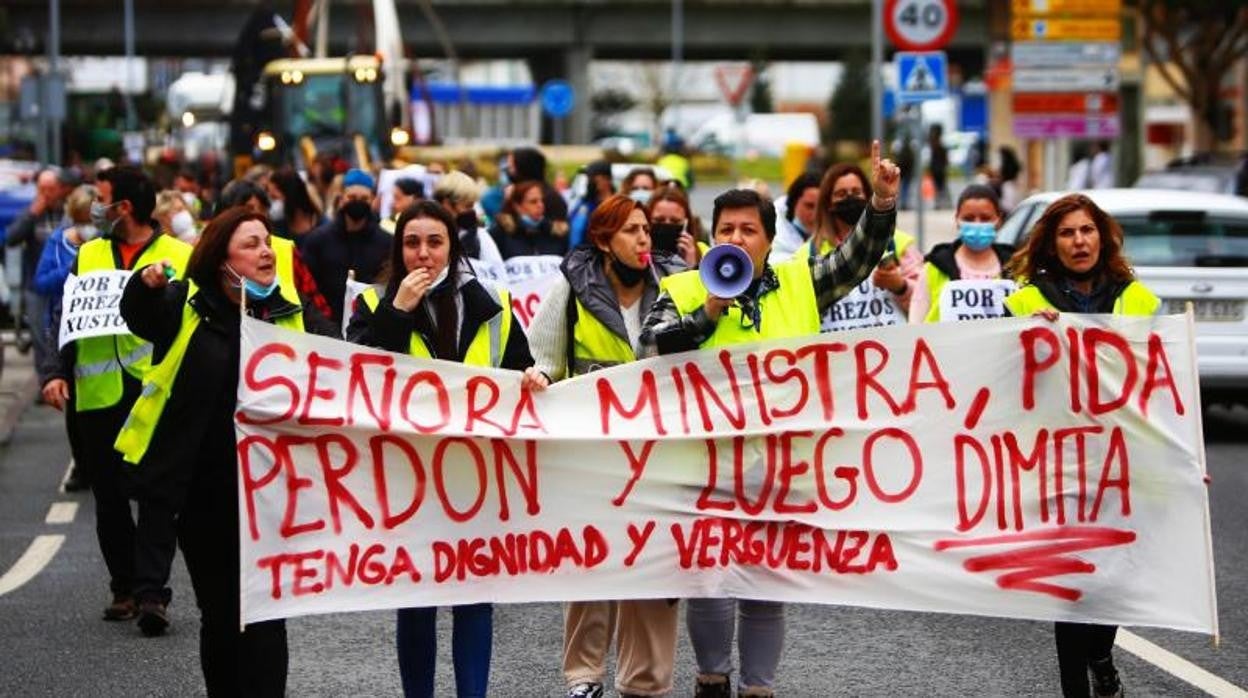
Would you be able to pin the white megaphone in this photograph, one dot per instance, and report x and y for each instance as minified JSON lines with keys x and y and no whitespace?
{"x":726,"y":271}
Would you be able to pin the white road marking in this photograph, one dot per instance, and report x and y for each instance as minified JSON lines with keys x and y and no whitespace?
{"x":62,"y":513}
{"x":68,"y":469}
{"x":41,"y":551}
{"x":1177,"y":666}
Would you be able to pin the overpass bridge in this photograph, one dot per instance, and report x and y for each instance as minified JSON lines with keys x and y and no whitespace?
{"x":558,"y":38}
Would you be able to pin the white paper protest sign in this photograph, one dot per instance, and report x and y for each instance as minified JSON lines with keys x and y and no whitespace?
{"x":1058,"y":476}
{"x":865,"y":306}
{"x":981,"y":299}
{"x":91,"y":305}
{"x":353,"y":290}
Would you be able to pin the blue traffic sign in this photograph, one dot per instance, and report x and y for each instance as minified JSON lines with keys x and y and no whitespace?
{"x":558,"y":98}
{"x":921,"y":76}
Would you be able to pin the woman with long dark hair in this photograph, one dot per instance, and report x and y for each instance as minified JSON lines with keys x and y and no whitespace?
{"x":433,"y":307}
{"x":181,"y":430}
{"x":1073,"y":262}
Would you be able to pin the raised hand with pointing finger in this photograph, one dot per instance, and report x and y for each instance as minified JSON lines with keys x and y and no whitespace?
{"x":885,"y":180}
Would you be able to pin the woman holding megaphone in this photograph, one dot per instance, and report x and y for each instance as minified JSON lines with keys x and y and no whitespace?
{"x":784,"y":300}
{"x":591,"y":320}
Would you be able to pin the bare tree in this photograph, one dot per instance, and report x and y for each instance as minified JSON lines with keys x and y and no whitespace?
{"x":654,"y":92}
{"x":1194,"y":43}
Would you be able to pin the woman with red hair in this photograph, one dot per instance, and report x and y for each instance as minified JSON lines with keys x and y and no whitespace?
{"x":591,"y":320}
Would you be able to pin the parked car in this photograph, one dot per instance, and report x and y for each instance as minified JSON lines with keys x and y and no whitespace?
{"x":1186,"y":246}
{"x":1206,"y":173}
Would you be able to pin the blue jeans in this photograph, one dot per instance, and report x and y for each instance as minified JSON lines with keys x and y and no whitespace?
{"x":472,"y":638}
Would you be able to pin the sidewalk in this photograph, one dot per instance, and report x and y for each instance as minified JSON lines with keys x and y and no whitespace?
{"x":18,"y":387}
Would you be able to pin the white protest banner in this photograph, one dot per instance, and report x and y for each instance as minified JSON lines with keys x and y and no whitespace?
{"x":865,"y":306}
{"x":966,"y":299}
{"x":1056,"y":475}
{"x":531,"y":267}
{"x":488,"y":271}
{"x":91,"y":305}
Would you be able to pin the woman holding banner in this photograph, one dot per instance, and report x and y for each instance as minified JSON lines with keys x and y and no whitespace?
{"x":180,"y":432}
{"x":1072,"y":262}
{"x":591,"y":320}
{"x":785,"y":300}
{"x":433,"y":307}
{"x":974,"y":261}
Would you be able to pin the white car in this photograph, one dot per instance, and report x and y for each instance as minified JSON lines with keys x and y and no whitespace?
{"x":1185,"y":246}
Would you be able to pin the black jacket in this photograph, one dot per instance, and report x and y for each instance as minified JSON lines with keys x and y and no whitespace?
{"x":942,"y":257}
{"x":330,"y":252}
{"x":391,"y":329}
{"x":515,"y":239}
{"x":196,"y":429}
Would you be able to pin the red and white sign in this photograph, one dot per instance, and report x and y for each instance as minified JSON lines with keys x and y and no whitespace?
{"x":1057,"y":476}
{"x":734,"y":80}
{"x":920,"y":25}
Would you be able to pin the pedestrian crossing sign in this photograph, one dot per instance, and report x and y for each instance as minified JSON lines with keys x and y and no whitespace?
{"x":921,"y":76}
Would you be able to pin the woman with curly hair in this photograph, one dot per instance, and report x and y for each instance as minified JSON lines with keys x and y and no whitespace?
{"x":1073,"y":262}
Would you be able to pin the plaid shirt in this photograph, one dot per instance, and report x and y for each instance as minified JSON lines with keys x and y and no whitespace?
{"x":666,"y":331}
{"x":305,"y":285}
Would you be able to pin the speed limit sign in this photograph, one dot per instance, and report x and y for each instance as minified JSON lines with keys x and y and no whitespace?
{"x":920,"y":25}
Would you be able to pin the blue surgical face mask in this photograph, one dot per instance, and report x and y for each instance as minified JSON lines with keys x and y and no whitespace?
{"x":255,"y":290}
{"x":800,"y":227}
{"x":977,"y":236}
{"x":530,"y":221}
{"x":641,"y":196}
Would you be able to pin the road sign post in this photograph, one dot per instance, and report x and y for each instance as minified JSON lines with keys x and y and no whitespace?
{"x":921,"y":76}
{"x":920,"y":25}
{"x":734,"y":81}
{"x":558,"y":99}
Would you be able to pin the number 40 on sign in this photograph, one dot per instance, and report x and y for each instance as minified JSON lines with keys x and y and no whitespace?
{"x":920,"y":25}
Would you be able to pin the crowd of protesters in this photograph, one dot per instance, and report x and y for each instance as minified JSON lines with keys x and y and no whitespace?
{"x":280,"y":246}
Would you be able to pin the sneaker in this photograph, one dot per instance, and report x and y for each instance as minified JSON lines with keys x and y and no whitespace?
{"x":153,"y":618}
{"x":712,"y":686}
{"x":588,"y":689}
{"x":122,"y":608}
{"x":1105,"y":682}
{"x":76,"y":482}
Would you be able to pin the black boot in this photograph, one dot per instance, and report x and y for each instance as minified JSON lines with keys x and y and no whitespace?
{"x":712,"y":686}
{"x":1105,"y":682}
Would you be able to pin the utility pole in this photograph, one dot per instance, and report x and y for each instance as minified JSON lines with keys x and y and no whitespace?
{"x":877,"y":79}
{"x":678,"y":57}
{"x":53,"y":113}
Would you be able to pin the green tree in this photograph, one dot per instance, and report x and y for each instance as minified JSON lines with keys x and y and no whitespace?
{"x":1194,"y":43}
{"x":849,"y":109}
{"x":607,"y":104}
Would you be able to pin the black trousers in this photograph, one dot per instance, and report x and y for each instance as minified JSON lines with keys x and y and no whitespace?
{"x":1077,"y":645}
{"x":93,"y":433}
{"x":251,"y":661}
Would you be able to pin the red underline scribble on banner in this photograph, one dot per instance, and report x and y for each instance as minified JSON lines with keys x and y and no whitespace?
{"x":1047,"y":558}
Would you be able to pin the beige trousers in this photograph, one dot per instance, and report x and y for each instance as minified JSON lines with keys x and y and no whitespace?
{"x":645,"y":637}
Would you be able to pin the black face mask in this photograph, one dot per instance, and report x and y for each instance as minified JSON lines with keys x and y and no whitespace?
{"x":469,"y":243}
{"x":849,"y":210}
{"x":466,"y":220}
{"x":357,"y":210}
{"x":627,"y":275}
